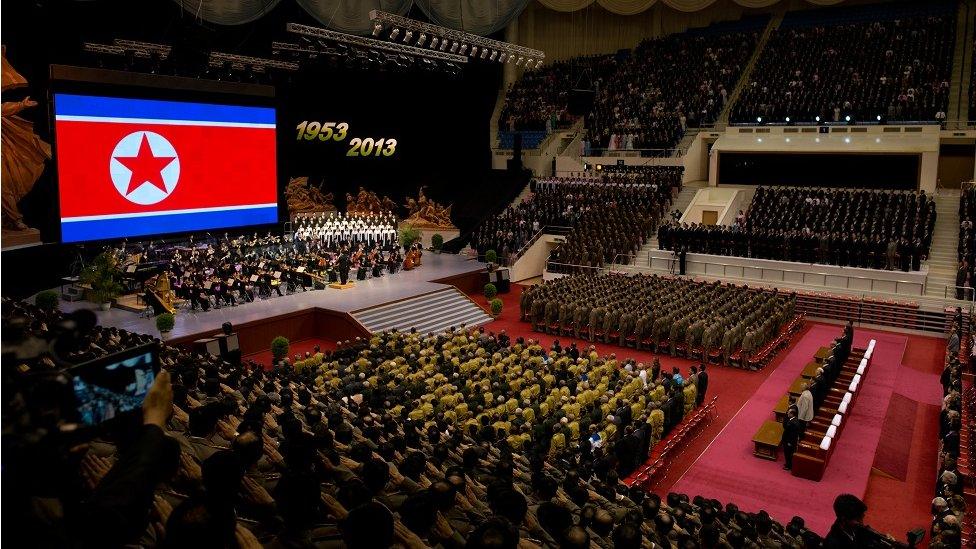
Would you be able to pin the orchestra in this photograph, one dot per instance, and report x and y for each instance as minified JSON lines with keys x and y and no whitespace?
{"x":225,"y":272}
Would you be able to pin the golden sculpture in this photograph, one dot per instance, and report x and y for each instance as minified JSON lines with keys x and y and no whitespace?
{"x":303,"y":198}
{"x":424,"y":212}
{"x":23,"y":153}
{"x":368,"y":203}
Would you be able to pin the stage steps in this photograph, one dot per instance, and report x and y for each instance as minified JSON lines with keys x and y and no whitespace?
{"x":944,"y":252}
{"x":680,"y":203}
{"x":428,"y":313}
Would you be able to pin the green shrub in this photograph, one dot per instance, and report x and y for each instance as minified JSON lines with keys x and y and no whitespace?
{"x":491,"y":256}
{"x":496,"y":306}
{"x":47,"y":300}
{"x":408,"y":235}
{"x":279,"y":348}
{"x":165,"y":322}
{"x":100,"y":275}
{"x":437,"y":241}
{"x":490,"y":290}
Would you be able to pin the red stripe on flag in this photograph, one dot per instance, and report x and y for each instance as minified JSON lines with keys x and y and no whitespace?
{"x":219,"y":166}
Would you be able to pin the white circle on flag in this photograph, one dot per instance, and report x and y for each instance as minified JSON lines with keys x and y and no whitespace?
{"x":145,"y":193}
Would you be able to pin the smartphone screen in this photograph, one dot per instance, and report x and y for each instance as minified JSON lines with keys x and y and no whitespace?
{"x":112,"y":385}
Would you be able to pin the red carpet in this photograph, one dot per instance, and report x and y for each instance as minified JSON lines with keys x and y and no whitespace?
{"x":728,"y":471}
{"x":892,"y":455}
{"x":895,"y":506}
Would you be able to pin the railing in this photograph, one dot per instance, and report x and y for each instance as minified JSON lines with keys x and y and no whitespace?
{"x":573,"y":269}
{"x":548,"y":229}
{"x":762,"y":273}
{"x":967,"y":294}
{"x":674,"y":152}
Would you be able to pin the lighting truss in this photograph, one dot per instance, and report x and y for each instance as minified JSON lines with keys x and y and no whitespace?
{"x":162,"y":49}
{"x":369,"y":43}
{"x":475,"y":42}
{"x":301,"y":49}
{"x":257,"y":64}
{"x":117,"y":49}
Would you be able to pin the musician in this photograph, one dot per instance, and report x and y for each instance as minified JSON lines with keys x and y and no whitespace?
{"x":344,"y":264}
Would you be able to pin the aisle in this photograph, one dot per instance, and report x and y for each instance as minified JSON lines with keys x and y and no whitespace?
{"x":728,"y":471}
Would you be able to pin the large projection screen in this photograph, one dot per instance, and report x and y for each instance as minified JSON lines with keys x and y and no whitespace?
{"x":158,"y":158}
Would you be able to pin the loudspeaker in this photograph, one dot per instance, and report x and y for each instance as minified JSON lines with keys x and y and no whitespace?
{"x":581,"y":102}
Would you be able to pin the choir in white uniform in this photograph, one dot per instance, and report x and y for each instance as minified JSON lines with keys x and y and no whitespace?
{"x":332,"y":230}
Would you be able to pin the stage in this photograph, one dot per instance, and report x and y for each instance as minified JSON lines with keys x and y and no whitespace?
{"x":306,"y":314}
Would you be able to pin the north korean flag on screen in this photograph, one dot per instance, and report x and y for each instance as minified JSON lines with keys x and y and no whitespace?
{"x":134,"y":167}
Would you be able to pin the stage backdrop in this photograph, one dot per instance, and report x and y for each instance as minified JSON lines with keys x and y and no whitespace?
{"x":389,"y":132}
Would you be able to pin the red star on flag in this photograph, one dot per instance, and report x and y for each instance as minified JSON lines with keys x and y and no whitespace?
{"x":145,"y":167}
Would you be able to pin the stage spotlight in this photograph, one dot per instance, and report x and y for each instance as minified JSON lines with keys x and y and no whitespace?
{"x":463,"y":51}
{"x":422,"y":40}
{"x":443,"y":45}
{"x":817,"y":118}
{"x":484,"y":53}
{"x":377,"y":29}
{"x":847,"y":118}
{"x":787,"y":119}
{"x":407,"y":37}
{"x":599,"y":167}
{"x":454,"y":47}
{"x":494,"y":55}
{"x":434,"y":42}
{"x":520,"y":61}
{"x":503,"y":57}
{"x":474,"y":51}
{"x":879,"y":118}
{"x":538,"y":63}
{"x":394,"y":34}
{"x":759,"y":119}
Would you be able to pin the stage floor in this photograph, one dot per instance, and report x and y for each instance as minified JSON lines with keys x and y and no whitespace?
{"x":367,"y":293}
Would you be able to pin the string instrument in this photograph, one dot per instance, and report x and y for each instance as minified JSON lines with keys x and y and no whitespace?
{"x":158,"y":289}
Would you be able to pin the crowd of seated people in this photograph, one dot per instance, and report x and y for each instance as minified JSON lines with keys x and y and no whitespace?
{"x":368,"y":446}
{"x":857,"y":228}
{"x":966,"y":271}
{"x":890,"y":66}
{"x":666,"y":85}
{"x":609,"y":212}
{"x":949,"y":505}
{"x":539,"y":100}
{"x":660,"y":313}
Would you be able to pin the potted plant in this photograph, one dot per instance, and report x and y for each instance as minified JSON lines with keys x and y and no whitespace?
{"x":408,"y":235}
{"x":491,"y":258}
{"x":279,"y":348}
{"x":490,"y":291}
{"x":496,"y":307}
{"x":165,"y":322}
{"x":47,"y":300}
{"x":100,"y":277}
{"x":437,"y":242}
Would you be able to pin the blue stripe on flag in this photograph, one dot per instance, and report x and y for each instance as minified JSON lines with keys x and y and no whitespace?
{"x":117,"y":107}
{"x":104,"y":229}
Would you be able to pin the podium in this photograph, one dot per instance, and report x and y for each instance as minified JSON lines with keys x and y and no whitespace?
{"x":501,"y":278}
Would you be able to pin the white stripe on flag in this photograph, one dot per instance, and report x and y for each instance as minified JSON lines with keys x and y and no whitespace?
{"x":164,"y":122}
{"x":167,"y":212}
